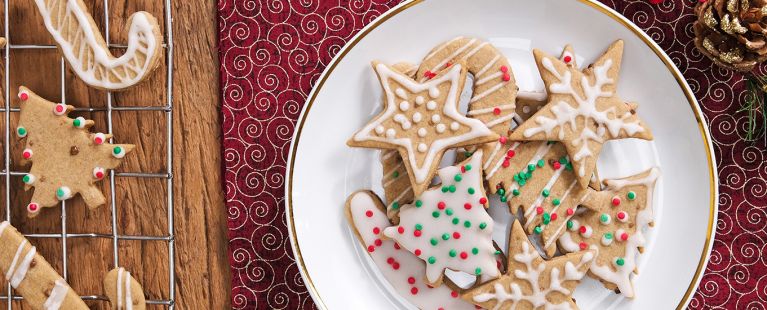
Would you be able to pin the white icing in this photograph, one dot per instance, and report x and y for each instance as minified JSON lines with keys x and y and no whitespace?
{"x":454,"y":126}
{"x":419,"y":100}
{"x":587,"y":231}
{"x":391,"y":133}
{"x":422,"y":147}
{"x":498,"y":120}
{"x":488,"y":78}
{"x":124,"y":284}
{"x":435,"y":228}
{"x":486,"y":93}
{"x":422,"y":132}
{"x":18,"y":269}
{"x":607,"y":241}
{"x":500,"y":161}
{"x":431,"y":105}
{"x":86,"y":55}
{"x":380,"y":129}
{"x":404,"y":105}
{"x":490,"y":157}
{"x":3,"y":226}
{"x":440,"y":128}
{"x":435,"y":118}
{"x":58,"y":294}
{"x":433,"y":92}
{"x":409,"y":265}
{"x":401,"y":93}
{"x":417,"y":117}
{"x":420,"y":169}
{"x":584,"y":111}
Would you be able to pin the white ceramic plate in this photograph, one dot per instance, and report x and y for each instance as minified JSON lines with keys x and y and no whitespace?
{"x":323,"y":171}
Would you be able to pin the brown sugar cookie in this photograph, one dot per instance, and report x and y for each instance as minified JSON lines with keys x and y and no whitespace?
{"x":123,"y":290}
{"x":66,"y":158}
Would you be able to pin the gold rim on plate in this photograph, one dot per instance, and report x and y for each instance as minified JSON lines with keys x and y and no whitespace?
{"x":593,"y":4}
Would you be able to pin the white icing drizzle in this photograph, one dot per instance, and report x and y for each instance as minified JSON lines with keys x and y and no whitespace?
{"x":124,"y":283}
{"x":490,"y":110}
{"x":559,"y":229}
{"x":17,"y":273}
{"x":531,"y":95}
{"x":501,"y":119}
{"x":92,"y":62}
{"x":3,"y":226}
{"x":409,"y":265}
{"x":500,"y":162}
{"x":487,"y":92}
{"x":531,"y":274}
{"x":451,"y":56}
{"x":388,"y":154}
{"x":58,"y":294}
{"x":421,"y":170}
{"x":490,"y":157}
{"x":487,"y":66}
{"x":440,"y":48}
{"x":531,"y":211}
{"x":488,"y":78}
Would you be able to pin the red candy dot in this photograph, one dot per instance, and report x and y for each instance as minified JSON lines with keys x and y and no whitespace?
{"x":506,"y":163}
{"x":510,"y":154}
{"x":376,"y":230}
{"x":417,"y":252}
{"x":482,"y":200}
{"x":414,"y":291}
{"x":378,"y":242}
{"x":369,"y":213}
{"x":583,"y":245}
{"x":464,"y":255}
{"x":467,"y":206}
{"x":570,"y":211}
{"x":582,"y":229}
{"x":568,"y":59}
{"x":616,"y":201}
{"x":456,"y":235}
{"x":99,"y":175}
{"x":59,"y":108}
{"x":497,"y":111}
{"x":553,"y":216}
{"x":417,"y":233}
{"x":624,"y":236}
{"x":454,"y":294}
{"x":463,"y":169}
{"x":506,"y":77}
{"x":621,"y":215}
{"x":390,"y":260}
{"x":395,"y":266}
{"x":401,"y":230}
{"x":502,"y":140}
{"x":504,"y":69}
{"x":441,"y":205}
{"x":539,"y":210}
{"x":396,"y":246}
{"x":27,"y":154}
{"x":32,"y":207}
{"x":371,"y":248}
{"x":23,"y":96}
{"x":411,"y":280}
{"x":557,"y":165}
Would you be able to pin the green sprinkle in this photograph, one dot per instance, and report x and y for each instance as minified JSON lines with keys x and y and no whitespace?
{"x":474,"y":251}
{"x":76,"y":122}
{"x":546,"y":218}
{"x":449,"y":211}
{"x":418,"y":203}
{"x":503,"y":198}
{"x":556,"y":201}
{"x":452,"y":253}
{"x":516,"y":177}
{"x":478,"y":271}
{"x":458,"y":177}
{"x":435,"y":214}
{"x":418,"y":226}
{"x":608,"y":236}
{"x":521,"y":182}
{"x":537,"y":230}
{"x":117,"y":150}
{"x":395,"y":174}
{"x":501,"y":191}
{"x":467,"y":154}
{"x":445,"y":236}
{"x":604,"y":218}
{"x":444,"y":189}
{"x":451,"y":188}
{"x":563,"y":160}
{"x":569,"y":167}
{"x":26,"y":179}
{"x":541,"y":163}
{"x":482,"y":225}
{"x":471,"y":190}
{"x":467,"y":167}
{"x":528,"y":175}
{"x":433,"y":241}
{"x":395,"y":205}
{"x":515,"y":192}
{"x":432,"y":260}
{"x":570,"y":224}
{"x":619,"y":261}
{"x":530,"y":167}
{"x":545,"y":193}
{"x":632,"y":195}
{"x":497,"y":252}
{"x":456,"y":221}
{"x":549,"y":142}
{"x":467,"y":224}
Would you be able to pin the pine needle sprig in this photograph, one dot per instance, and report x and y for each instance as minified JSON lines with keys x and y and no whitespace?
{"x":754,"y":106}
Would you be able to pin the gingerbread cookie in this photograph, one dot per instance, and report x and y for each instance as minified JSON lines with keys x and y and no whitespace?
{"x":404,"y":271}
{"x":584,"y":109}
{"x":613,"y":228}
{"x":421,"y":121}
{"x":448,"y":226}
{"x":31,"y":276}
{"x":66,"y":158}
{"x":531,"y":282}
{"x":79,"y":39}
{"x":123,"y":290}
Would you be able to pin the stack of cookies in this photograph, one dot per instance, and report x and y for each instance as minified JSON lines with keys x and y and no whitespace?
{"x":538,"y":156}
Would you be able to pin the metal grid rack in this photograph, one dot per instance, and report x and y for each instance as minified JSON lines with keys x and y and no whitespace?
{"x":110,"y":109}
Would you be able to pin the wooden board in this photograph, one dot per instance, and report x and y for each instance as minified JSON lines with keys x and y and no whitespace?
{"x":202,"y":270}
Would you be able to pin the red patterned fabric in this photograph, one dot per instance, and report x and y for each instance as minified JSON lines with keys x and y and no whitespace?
{"x":272,"y":51}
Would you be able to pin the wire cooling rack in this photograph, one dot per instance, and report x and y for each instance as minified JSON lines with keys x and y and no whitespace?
{"x":109,"y":109}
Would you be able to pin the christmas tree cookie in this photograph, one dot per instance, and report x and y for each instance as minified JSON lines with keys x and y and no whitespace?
{"x":404,"y":271}
{"x":421,"y":121}
{"x":612,"y":227}
{"x":530,"y":281}
{"x":583,"y":109}
{"x":66,"y":158}
{"x":448,"y":226}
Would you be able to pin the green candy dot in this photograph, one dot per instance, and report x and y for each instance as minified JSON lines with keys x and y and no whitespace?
{"x":482,"y":225}
{"x":478,"y":271}
{"x":433,"y":241}
{"x":452,"y":253}
{"x":467,"y":167}
{"x":435,"y":214}
{"x":458,"y":178}
{"x":445,"y":237}
{"x":474,"y":251}
{"x":556,"y":201}
{"x":570,"y":224}
{"x":632,"y":195}
{"x":546,"y":218}
{"x":444,"y":189}
{"x":497,"y":252}
{"x":503,"y":198}
{"x":541,"y":163}
{"x":563,"y":160}
{"x":530,"y":167}
{"x":117,"y":150}
{"x":619,"y":261}
{"x":515,"y":192}
{"x":604,"y":218}
{"x":418,"y":226}
{"x":395,"y":174}
{"x":521,"y":182}
{"x":76,"y":123}
{"x":449,"y":211}
{"x":471,"y":190}
{"x":21,"y":131}
{"x":501,"y":191}
{"x":456,"y":221}
{"x":432,"y":260}
{"x":538,"y":230}
{"x":516,"y":177}
{"x":451,"y":188}
{"x":418,"y":203}
{"x":467,"y":224}
{"x":395,"y":205}
{"x":25,"y":179}
{"x":608,"y":236}
{"x":545,"y":193}
{"x":467,"y":154}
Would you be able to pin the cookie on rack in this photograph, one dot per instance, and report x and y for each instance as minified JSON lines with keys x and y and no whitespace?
{"x":123,"y":291}
{"x":31,"y":276}
{"x":612,"y":226}
{"x":66,"y":158}
{"x":82,"y":45}
{"x":583,"y":109}
{"x":530,"y":281}
{"x":421,"y":121}
{"x":404,"y":271}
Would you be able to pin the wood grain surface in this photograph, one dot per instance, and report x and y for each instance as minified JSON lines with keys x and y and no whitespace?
{"x":202,"y":270}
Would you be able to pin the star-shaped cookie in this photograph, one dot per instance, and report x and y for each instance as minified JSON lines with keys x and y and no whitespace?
{"x":531,"y":282}
{"x":583,"y":110}
{"x":421,"y":121}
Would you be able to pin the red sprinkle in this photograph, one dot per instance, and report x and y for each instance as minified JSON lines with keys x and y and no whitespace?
{"x":377,"y":230}
{"x":583,"y":245}
{"x":464,"y":255}
{"x":557,"y":165}
{"x":417,"y":233}
{"x":395,"y":266}
{"x":568,"y":59}
{"x":497,"y":111}
{"x":417,"y":252}
{"x":390,"y":260}
{"x":32,"y":207}
{"x":467,"y":206}
{"x":506,"y":77}
{"x":502,"y":140}
{"x":99,"y":175}
{"x":510,"y":153}
{"x":401,"y":230}
{"x":456,"y":235}
{"x":504,"y":69}
{"x":482,"y":200}
{"x":625,"y":236}
{"x":463,"y":169}
{"x":506,"y":163}
{"x":553,"y":216}
{"x":441,"y":205}
{"x":26,"y":154}
{"x":411,"y":280}
{"x":582,"y":229}
{"x":378,"y":242}
{"x":454,"y":294}
{"x":621,"y":215}
{"x":570,"y":211}
{"x":448,"y":64}
{"x":396,"y":246}
{"x":23,"y":96}
{"x":369,"y":213}
{"x":539,"y":210}
{"x":414,"y":291}
{"x":371,"y":248}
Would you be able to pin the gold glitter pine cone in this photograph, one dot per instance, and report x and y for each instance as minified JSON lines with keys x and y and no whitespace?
{"x":732,"y":32}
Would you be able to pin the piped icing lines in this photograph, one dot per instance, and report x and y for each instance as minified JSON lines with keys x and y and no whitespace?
{"x":421,"y":121}
{"x":612,"y":226}
{"x":396,"y":183}
{"x":448,"y":226}
{"x":52,"y":138}
{"x":531,"y":282}
{"x":74,"y":30}
{"x":583,"y":109}
{"x":404,"y":271}
{"x":494,"y":89}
